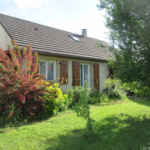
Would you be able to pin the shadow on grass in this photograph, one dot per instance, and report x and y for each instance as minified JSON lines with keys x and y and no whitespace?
{"x":120,"y":132}
{"x":140,"y":101}
{"x":4,"y":125}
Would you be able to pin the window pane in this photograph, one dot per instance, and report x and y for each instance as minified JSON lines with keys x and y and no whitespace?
{"x":85,"y":74}
{"x":50,"y":71}
{"x":42,"y":68}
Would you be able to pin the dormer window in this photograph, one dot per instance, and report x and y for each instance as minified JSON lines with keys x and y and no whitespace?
{"x":75,"y":38}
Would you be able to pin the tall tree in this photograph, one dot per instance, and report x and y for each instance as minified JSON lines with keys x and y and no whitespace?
{"x":129,"y":24}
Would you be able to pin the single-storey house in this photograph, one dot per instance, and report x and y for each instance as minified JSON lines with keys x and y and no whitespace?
{"x":62,"y":54}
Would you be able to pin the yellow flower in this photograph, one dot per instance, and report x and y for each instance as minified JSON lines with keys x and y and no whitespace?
{"x":56,"y":101}
{"x":56,"y":85}
{"x":46,"y":82}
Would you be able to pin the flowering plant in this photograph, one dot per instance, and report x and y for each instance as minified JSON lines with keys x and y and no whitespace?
{"x":55,"y":100}
{"x":24,"y":86}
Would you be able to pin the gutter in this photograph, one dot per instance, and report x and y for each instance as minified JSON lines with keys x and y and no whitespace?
{"x":70,"y":56}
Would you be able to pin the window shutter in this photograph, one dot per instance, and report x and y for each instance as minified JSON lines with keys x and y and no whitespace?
{"x":96,"y":76}
{"x":76,"y":73}
{"x":64,"y":71}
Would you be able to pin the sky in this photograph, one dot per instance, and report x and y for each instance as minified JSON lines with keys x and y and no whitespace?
{"x":67,"y":15}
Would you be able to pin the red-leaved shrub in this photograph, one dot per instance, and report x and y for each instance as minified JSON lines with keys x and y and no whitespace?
{"x":21,"y":91}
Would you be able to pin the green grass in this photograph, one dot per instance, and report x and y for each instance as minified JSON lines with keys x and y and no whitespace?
{"x":121,"y":126}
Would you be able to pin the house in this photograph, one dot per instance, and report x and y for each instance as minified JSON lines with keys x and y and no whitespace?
{"x":62,"y":54}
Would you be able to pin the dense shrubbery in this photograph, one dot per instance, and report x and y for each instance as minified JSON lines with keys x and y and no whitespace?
{"x":74,"y":94}
{"x":24,"y":95}
{"x":137,"y":89}
{"x":94,"y":96}
{"x":21,"y":90}
{"x":119,"y":90}
{"x":55,"y":100}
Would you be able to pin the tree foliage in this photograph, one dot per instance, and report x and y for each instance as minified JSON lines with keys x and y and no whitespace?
{"x":129,"y":30}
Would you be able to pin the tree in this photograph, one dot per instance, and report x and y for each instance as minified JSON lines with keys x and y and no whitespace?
{"x":129,"y":24}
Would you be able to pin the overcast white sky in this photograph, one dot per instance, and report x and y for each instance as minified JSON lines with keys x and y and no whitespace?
{"x":68,"y":15}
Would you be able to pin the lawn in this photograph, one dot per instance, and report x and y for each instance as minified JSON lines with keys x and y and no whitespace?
{"x":120,"y":126}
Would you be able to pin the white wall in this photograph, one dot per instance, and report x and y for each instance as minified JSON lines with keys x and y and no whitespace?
{"x":104,"y":71}
{"x":4,"y":39}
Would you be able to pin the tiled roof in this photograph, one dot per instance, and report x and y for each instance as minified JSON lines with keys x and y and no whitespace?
{"x":52,"y":41}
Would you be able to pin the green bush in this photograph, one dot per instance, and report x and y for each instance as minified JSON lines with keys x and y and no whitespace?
{"x":118,"y":91}
{"x":104,"y":97}
{"x":94,"y":97}
{"x":138,"y":89}
{"x":55,"y":100}
{"x":74,"y":94}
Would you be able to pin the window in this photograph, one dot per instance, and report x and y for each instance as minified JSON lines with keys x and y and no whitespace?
{"x":75,"y":38}
{"x":84,"y":75}
{"x":48,"y":69}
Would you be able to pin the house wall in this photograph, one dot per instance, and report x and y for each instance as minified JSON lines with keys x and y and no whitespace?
{"x":103,"y":69}
{"x":5,"y":39}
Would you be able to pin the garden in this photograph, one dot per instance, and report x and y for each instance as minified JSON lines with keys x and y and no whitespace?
{"x":123,"y":125}
{"x":36,"y":114}
{"x":26,"y":96}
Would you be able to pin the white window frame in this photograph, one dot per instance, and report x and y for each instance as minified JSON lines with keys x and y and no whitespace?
{"x":83,"y":74}
{"x":54,"y":67}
